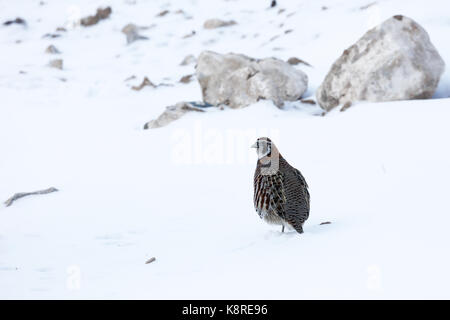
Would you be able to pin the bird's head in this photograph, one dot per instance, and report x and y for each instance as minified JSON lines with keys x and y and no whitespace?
{"x":263,"y":147}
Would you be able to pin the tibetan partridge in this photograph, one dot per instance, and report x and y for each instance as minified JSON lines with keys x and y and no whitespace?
{"x":280,"y":192}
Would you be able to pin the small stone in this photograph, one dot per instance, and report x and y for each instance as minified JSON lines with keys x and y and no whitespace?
{"x":150,"y":260}
{"x":51,"y":35}
{"x":130,"y":78}
{"x":308,"y":101}
{"x":15,"y":21}
{"x":173,"y":113}
{"x":163,"y":13}
{"x":217,"y":23}
{"x":295,"y":61}
{"x":145,"y":83}
{"x":56,"y":63}
{"x":132,"y":34}
{"x":346,"y":105}
{"x":101,"y":14}
{"x":189,"y":34}
{"x":186,"y":78}
{"x":52,"y":50}
{"x":189,"y":59}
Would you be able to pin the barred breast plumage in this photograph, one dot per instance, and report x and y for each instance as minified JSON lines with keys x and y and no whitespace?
{"x":281,"y":193}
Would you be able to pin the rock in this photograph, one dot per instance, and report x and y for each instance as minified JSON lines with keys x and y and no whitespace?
{"x":56,"y":63}
{"x":145,"y":83}
{"x":152,"y":259}
{"x":367,"y":6}
{"x":295,"y":61}
{"x":51,"y":35}
{"x":15,"y":21}
{"x":130,"y":78}
{"x":172,"y":113}
{"x":189,"y":59}
{"x":217,"y":23}
{"x":274,"y":38}
{"x":189,"y":35}
{"x":102,"y":13}
{"x":52,"y":50}
{"x":237,"y":80}
{"x":131,"y":32}
{"x":393,"y":61}
{"x":346,"y":105}
{"x":308,"y":101}
{"x":163,"y":13}
{"x":186,"y":78}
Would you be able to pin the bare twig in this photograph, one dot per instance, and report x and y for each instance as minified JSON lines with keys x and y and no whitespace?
{"x":24,"y":194}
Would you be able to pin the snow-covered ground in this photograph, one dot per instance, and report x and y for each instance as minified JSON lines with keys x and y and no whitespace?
{"x":379,"y":172}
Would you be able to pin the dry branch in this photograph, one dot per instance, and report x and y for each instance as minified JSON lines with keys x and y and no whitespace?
{"x":24,"y":194}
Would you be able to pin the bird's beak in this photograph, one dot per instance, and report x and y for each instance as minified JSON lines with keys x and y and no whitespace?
{"x":253,"y":145}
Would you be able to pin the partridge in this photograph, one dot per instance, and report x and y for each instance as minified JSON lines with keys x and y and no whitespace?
{"x":281,"y":193}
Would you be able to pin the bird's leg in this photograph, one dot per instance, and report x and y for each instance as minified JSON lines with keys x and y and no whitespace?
{"x":282,"y":228}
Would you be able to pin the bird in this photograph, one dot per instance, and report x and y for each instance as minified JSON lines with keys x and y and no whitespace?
{"x":281,"y":193}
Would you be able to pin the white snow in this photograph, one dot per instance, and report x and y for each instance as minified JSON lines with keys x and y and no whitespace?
{"x":183,"y":193}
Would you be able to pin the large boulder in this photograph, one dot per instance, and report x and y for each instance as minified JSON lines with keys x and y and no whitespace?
{"x":393,"y":61}
{"x":237,"y":80}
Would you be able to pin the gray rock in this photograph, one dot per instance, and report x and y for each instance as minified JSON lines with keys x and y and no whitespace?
{"x":131,"y":31}
{"x":237,"y":80}
{"x":189,"y":59}
{"x":17,"y":20}
{"x":295,"y":61}
{"x":101,"y":14}
{"x":393,"y":61}
{"x":172,"y":113}
{"x":52,"y":50}
{"x":186,"y":79}
{"x":56,"y":63}
{"x":217,"y":23}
